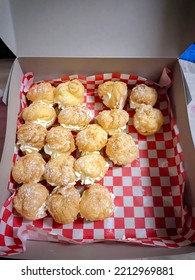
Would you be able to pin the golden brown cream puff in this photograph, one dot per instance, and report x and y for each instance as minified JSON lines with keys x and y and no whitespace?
{"x":92,"y":138}
{"x":31,"y":137}
{"x":121,"y":148}
{"x":70,"y":93}
{"x":113,"y":120}
{"x":40,"y":113}
{"x":42,"y":91}
{"x":113,"y":94}
{"x":96,"y":203}
{"x":142,"y":94}
{"x":59,"y":140}
{"x":30,"y":201}
{"x":29,"y":168}
{"x":147,"y":120}
{"x":63,"y":204}
{"x":59,"y":170}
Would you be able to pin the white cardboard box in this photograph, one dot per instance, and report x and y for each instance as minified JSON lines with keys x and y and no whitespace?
{"x":57,"y":38}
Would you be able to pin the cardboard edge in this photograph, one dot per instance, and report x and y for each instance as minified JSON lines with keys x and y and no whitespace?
{"x":10,"y":136}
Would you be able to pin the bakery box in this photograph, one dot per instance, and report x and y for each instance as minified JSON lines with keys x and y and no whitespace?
{"x":137,"y":41}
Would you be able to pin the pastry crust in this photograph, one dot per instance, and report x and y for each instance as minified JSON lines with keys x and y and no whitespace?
{"x":113,"y":94}
{"x":30,"y":200}
{"x":63,"y":204}
{"x":113,"y":120}
{"x":31,"y":137}
{"x":59,"y":140}
{"x":121,"y":149}
{"x":29,"y":168}
{"x":42,"y":91}
{"x":75,"y":118}
{"x":59,"y":170}
{"x":96,"y":203}
{"x":41,"y":113}
{"x":92,"y":138}
{"x":142,"y":94}
{"x":147,"y":120}
{"x":70,"y":93}
{"x":90,"y":168}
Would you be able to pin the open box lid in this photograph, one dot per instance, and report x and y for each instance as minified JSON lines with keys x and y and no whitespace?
{"x":103,"y":28}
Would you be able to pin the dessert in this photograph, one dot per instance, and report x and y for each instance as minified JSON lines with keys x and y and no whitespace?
{"x":59,"y":170}
{"x":63,"y":204}
{"x":75,"y":118}
{"x":92,"y":138}
{"x":70,"y":93}
{"x":59,"y":140}
{"x":31,"y":137}
{"x":113,"y":94}
{"x":147,"y":120}
{"x":40,"y":113}
{"x":142,"y":94}
{"x":42,"y":91}
{"x":121,"y":149}
{"x":113,"y":120}
{"x":96,"y":203}
{"x":29,"y":168}
{"x":29,"y":201}
{"x":90,"y":168}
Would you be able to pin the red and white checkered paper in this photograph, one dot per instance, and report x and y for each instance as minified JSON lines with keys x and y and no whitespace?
{"x":148,"y":193}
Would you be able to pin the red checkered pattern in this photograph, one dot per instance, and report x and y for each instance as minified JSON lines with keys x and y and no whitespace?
{"x":148,"y":193}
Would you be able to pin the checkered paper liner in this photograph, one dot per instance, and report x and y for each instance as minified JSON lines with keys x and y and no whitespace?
{"x":148,"y":193}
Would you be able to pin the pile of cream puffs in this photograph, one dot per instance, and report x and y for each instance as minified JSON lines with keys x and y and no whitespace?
{"x":56,"y":123}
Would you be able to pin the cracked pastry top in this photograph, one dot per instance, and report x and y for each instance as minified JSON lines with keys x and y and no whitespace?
{"x":39,"y":112}
{"x":75,"y":118}
{"x":29,"y":168}
{"x":142,"y":94}
{"x":63,"y":204}
{"x":121,"y":148}
{"x":96,"y":203}
{"x":147,"y":120}
{"x":59,"y":170}
{"x":92,"y":138}
{"x":70,"y":93}
{"x":31,"y":137}
{"x":113,"y":94}
{"x":30,"y":200}
{"x":59,"y":140}
{"x":113,"y":120}
{"x":42,"y":91}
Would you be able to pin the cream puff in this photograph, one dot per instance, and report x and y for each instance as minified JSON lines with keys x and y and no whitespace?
{"x":40,"y":113}
{"x":142,"y":94}
{"x":42,"y":91}
{"x":63,"y":204}
{"x":30,"y":201}
{"x":113,"y":120}
{"x":90,"y":168}
{"x":70,"y":93}
{"x":92,"y":138}
{"x":96,"y":203}
{"x":59,"y":170}
{"x":75,"y":118}
{"x":147,"y":120}
{"x":121,"y":149}
{"x":31,"y":137}
{"x":113,"y":94}
{"x":59,"y":140}
{"x":29,"y":168}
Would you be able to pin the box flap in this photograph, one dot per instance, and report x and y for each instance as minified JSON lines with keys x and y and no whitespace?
{"x":108,"y":28}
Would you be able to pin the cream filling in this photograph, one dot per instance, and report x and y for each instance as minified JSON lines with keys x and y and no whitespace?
{"x":113,"y":131}
{"x":73,"y":127}
{"x":54,"y":185}
{"x":44,"y":123}
{"x":85,"y":180}
{"x":27,"y":148}
{"x":41,"y":213}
